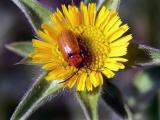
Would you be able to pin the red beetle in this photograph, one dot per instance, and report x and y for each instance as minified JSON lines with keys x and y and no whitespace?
{"x":69,"y":47}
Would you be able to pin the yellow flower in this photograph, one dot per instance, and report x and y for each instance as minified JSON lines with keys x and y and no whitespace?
{"x":101,"y":35}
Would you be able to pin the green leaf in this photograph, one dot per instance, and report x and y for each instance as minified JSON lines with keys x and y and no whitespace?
{"x":91,"y":1}
{"x":141,"y":55}
{"x":20,"y":48}
{"x":37,"y":95}
{"x":143,"y":82}
{"x":89,"y":102}
{"x":113,"y":97}
{"x":35,"y":13}
{"x":147,"y":83}
{"x":111,"y":4}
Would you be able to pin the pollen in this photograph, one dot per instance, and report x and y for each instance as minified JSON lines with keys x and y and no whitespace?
{"x":100,"y":36}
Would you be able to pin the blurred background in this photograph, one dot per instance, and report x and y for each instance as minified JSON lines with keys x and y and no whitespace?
{"x":140,"y":87}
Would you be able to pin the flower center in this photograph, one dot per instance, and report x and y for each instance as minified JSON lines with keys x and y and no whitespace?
{"x":94,"y":46}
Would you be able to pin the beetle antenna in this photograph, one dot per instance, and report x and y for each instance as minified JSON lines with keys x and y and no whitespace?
{"x":70,"y":76}
{"x":76,"y":73}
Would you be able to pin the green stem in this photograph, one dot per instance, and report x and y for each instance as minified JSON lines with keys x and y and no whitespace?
{"x":89,"y":103}
{"x":90,"y":113}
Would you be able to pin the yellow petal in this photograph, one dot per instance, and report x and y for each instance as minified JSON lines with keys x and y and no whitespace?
{"x":108,"y":73}
{"x":81,"y":84}
{"x":92,"y":13}
{"x":120,"y":47}
{"x":40,"y":44}
{"x":121,"y":41}
{"x":59,"y":23}
{"x":93,"y":79}
{"x":118,"y":51}
{"x":120,"y":59}
{"x":111,"y":22}
{"x":119,"y":33}
{"x":99,"y":78}
{"x":67,"y":15}
{"x":102,"y":15}
{"x":89,"y":84}
{"x":44,"y":36}
{"x":72,"y":81}
{"x":43,"y":60}
{"x":75,"y":16}
{"x":114,"y":28}
{"x":111,"y":66}
{"x":53,"y":74}
{"x":84,"y":13}
{"x":58,"y":74}
{"x":114,"y":66}
{"x":50,"y":66}
{"x":43,"y":51}
{"x":51,"y":31}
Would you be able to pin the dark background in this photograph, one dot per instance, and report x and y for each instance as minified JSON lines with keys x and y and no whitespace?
{"x":143,"y":18}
